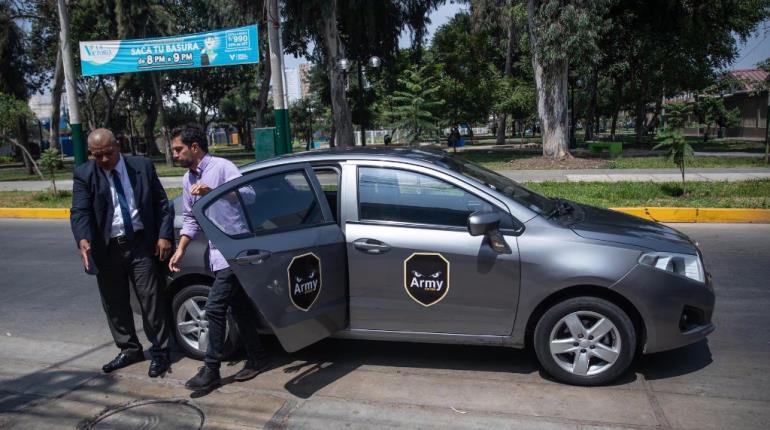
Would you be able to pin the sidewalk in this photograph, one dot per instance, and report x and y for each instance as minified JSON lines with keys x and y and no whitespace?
{"x":587,"y":175}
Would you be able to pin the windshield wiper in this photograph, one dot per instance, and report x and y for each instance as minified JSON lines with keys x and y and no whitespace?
{"x":562,"y":207}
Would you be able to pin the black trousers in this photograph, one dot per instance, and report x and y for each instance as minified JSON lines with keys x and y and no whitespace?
{"x":134,"y":264}
{"x":228,"y":292}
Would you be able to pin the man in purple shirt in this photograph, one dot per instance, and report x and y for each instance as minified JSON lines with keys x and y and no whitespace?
{"x":190,"y":148}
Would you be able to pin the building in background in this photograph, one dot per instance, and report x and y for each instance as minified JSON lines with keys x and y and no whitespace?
{"x":304,"y":80}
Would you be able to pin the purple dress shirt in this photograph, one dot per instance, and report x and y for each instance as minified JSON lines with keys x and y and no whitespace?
{"x":225,"y":213}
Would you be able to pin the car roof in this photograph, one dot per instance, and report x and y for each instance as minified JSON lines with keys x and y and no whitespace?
{"x":424,"y":155}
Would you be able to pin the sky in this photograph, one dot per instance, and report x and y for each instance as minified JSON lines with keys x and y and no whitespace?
{"x":755,"y":49}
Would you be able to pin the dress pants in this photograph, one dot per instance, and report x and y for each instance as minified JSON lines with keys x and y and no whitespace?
{"x":228,"y":292}
{"x":128,"y":263}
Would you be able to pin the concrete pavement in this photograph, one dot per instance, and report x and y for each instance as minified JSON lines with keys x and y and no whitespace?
{"x":582,"y":175}
{"x":53,"y":339}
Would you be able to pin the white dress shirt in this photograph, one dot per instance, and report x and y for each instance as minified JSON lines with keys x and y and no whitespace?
{"x":117,"y":228}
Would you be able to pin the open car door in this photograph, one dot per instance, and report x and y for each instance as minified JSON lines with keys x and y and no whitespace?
{"x":275,"y":229}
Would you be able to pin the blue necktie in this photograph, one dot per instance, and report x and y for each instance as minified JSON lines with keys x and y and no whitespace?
{"x":123,"y":202}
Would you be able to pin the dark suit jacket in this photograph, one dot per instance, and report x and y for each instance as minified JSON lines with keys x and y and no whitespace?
{"x":92,"y":208}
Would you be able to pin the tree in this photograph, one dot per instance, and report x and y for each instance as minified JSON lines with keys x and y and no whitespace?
{"x":51,"y":160}
{"x":14,"y":112}
{"x":560,"y":32}
{"x":711,"y":111}
{"x":414,"y":106}
{"x":677,"y":150}
{"x":677,"y":114}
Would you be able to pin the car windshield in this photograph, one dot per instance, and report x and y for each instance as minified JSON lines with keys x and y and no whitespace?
{"x":500,"y":183}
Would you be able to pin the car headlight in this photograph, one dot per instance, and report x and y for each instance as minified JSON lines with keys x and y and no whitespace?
{"x":689,"y":266}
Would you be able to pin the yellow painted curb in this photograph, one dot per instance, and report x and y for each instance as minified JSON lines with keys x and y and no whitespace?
{"x":692,"y":215}
{"x":701,"y":215}
{"x":34,"y":213}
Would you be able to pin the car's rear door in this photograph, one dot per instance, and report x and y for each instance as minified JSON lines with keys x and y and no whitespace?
{"x":275,"y":229}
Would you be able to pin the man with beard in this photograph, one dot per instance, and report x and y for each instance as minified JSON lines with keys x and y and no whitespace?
{"x":190,"y":148}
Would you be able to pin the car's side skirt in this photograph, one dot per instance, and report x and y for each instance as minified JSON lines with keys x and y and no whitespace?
{"x":409,"y":336}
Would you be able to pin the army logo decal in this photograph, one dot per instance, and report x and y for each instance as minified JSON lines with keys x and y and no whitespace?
{"x":304,"y":280}
{"x":426,"y":277}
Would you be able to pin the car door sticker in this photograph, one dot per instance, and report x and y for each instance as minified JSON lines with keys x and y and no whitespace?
{"x":304,"y":280}
{"x":426,"y":277}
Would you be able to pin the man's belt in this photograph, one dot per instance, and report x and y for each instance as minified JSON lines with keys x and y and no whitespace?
{"x":124,"y":240}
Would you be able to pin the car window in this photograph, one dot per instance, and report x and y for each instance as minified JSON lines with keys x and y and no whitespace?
{"x":329,"y":178}
{"x":396,"y":195}
{"x":280,"y":201}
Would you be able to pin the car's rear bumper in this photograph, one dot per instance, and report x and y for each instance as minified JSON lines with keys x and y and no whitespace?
{"x":676,"y":311}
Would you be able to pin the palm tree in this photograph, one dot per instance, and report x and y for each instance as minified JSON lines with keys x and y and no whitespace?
{"x":677,"y":150}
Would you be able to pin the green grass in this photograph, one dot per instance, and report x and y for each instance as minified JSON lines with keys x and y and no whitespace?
{"x":20,"y":174}
{"x":664,"y":163}
{"x":498,"y":160}
{"x":46,"y":199}
{"x":746,"y":194}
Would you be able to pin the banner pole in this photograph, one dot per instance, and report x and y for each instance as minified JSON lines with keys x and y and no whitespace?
{"x":69,"y":77}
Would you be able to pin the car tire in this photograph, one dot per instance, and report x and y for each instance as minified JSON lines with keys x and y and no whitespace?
{"x":188,"y":328}
{"x":567,"y":349}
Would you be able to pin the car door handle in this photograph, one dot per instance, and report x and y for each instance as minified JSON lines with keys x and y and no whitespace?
{"x":252,"y":256}
{"x":371,"y":246}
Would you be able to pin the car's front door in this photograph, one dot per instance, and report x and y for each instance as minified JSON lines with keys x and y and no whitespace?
{"x":275,"y":229}
{"x":413,"y":266}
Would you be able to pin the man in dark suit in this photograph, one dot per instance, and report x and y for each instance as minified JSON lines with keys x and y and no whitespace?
{"x":123,"y":226}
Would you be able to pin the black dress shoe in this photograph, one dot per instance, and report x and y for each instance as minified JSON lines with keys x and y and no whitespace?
{"x":158,"y":367}
{"x":122,"y":360}
{"x":207,"y":379}
{"x":251,"y":369}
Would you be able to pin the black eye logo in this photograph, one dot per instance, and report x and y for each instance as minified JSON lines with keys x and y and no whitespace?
{"x":426,"y":278}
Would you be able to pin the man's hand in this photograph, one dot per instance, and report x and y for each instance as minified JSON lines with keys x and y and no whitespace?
{"x":162,"y":249}
{"x":199,"y":189}
{"x":85,"y":248}
{"x":173,"y":264}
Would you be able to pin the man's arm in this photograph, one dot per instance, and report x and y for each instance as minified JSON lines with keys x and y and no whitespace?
{"x":190,"y":228}
{"x":81,"y":215}
{"x":164,"y":214}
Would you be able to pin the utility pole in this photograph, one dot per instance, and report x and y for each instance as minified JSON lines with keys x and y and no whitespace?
{"x":69,"y":79}
{"x":282,"y":137}
{"x":767,"y":129}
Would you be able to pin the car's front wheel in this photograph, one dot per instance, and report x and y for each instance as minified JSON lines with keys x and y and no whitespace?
{"x":191,"y":328}
{"x":585,"y":341}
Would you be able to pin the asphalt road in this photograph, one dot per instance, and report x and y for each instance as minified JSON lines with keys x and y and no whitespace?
{"x":53,"y":339}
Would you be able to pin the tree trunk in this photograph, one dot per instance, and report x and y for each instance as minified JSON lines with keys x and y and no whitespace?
{"x":551,"y":83}
{"x":591,"y":115}
{"x":506,"y":72}
{"x":334,"y":52}
{"x":265,"y":76}
{"x":149,"y":128}
{"x":29,"y":162}
{"x":639,"y":124}
{"x":27,"y":156}
{"x":58,"y":85}
{"x":163,"y":125}
{"x":616,"y":108}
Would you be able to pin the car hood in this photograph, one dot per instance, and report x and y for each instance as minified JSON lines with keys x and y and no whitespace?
{"x":611,"y":226}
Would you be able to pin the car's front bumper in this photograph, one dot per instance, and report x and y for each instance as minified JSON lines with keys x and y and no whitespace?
{"x":676,"y":311}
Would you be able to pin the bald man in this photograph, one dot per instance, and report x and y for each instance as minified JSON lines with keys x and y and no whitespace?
{"x":123,"y":227}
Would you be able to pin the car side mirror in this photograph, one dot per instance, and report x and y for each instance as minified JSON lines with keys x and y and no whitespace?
{"x":488,"y":224}
{"x":481,"y":223}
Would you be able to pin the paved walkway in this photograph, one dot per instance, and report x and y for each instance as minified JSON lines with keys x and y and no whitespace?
{"x":586,"y":175}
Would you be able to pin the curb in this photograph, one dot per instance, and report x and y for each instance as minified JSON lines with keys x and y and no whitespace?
{"x":700,"y":215}
{"x":684,"y":215}
{"x":50,"y":213}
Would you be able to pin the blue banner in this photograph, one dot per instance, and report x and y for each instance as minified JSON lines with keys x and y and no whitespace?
{"x":215,"y":48}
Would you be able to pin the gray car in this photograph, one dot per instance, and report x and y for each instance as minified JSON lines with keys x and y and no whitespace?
{"x":416,"y":245}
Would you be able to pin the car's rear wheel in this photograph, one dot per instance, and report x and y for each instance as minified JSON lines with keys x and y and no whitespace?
{"x":585,"y":341}
{"x":191,"y":326}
